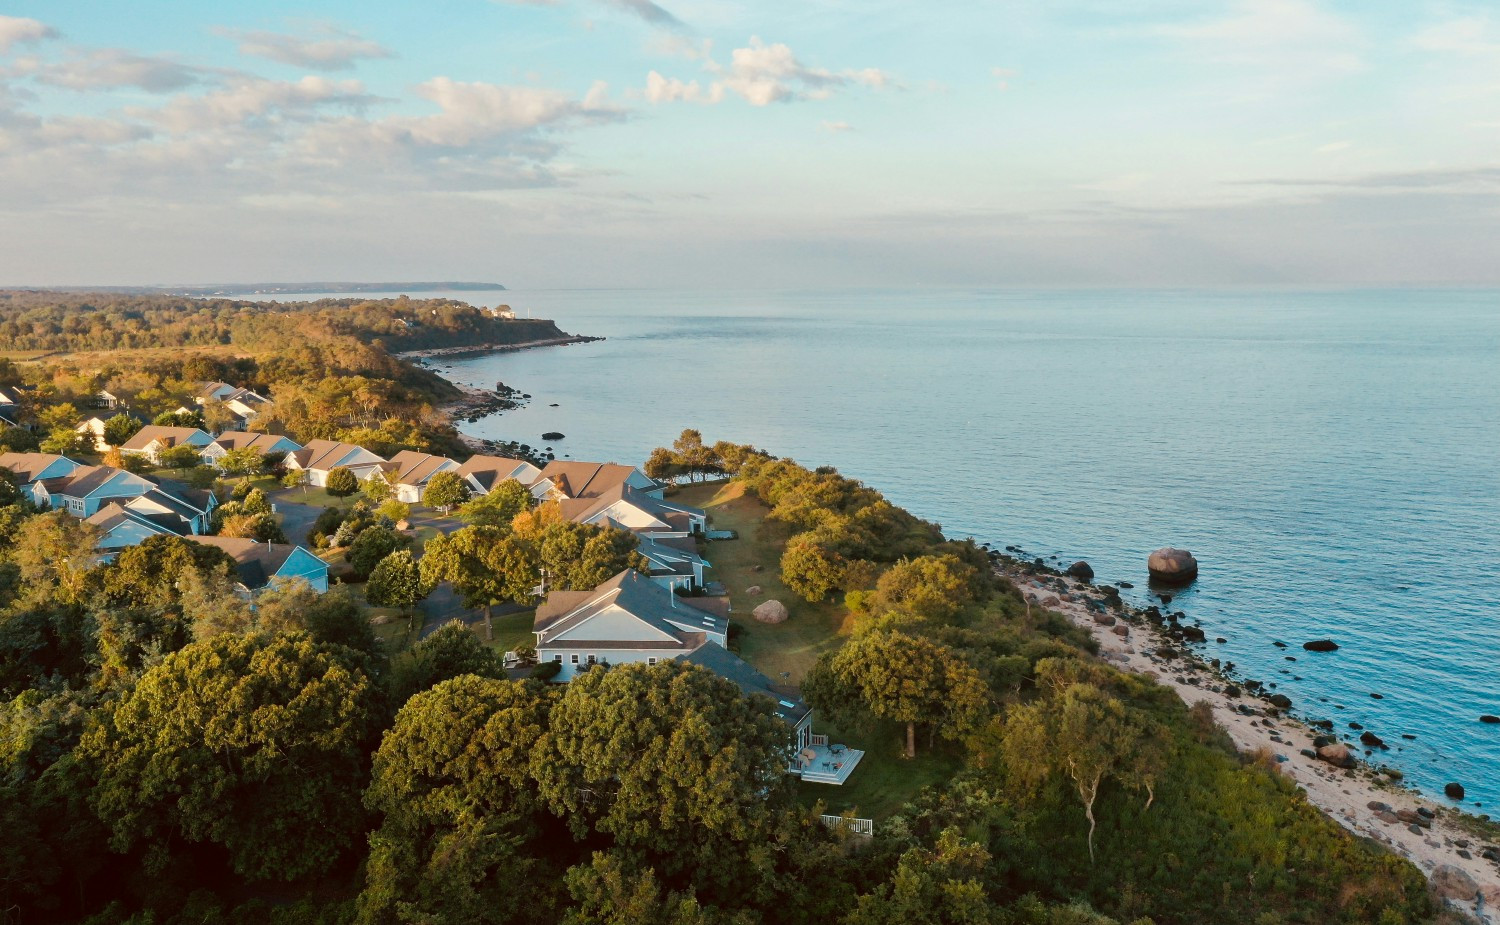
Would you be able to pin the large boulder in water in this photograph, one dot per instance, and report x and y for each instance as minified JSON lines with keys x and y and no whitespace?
{"x":1081,"y":570}
{"x":770,"y":612}
{"x":1454,"y":791}
{"x":1172,"y":566}
{"x":1337,"y":755}
{"x":1321,"y":645}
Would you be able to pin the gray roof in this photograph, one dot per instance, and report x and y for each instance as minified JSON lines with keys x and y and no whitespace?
{"x":731,"y":667}
{"x":637,"y":595}
{"x":27,"y":466}
{"x":114,"y":513}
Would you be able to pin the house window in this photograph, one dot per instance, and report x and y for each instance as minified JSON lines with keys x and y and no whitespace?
{"x":592,"y":659}
{"x":573,"y":659}
{"x":557,"y":658}
{"x":651,"y":660}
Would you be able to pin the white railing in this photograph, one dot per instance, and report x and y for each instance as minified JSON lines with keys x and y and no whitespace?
{"x":817,"y":741}
{"x":849,"y":824}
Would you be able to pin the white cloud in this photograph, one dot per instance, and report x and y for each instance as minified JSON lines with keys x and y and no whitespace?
{"x":647,"y":10}
{"x":15,"y":30}
{"x":110,"y":68}
{"x":836,"y":128}
{"x":337,"y":51}
{"x":253,"y":98}
{"x":1468,"y":36}
{"x":1291,"y":37}
{"x":661,"y":89}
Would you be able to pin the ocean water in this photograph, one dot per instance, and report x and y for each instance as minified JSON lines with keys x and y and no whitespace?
{"x":1332,"y":458}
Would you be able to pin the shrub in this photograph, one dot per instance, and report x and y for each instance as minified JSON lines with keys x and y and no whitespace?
{"x":341,"y":483}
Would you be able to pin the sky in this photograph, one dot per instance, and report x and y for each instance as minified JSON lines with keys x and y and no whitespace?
{"x":709,"y":143}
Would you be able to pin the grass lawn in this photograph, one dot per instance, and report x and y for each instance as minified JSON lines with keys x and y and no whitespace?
{"x":783,"y":652}
{"x":511,"y":630}
{"x":884,"y":781}
{"x":317,"y":497}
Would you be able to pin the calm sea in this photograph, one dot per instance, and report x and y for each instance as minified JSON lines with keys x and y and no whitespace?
{"x":1332,"y":458}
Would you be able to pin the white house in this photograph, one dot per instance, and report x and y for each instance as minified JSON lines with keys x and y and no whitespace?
{"x":570,"y":479}
{"x":320,"y":457}
{"x":675,"y":562}
{"x":409,"y":472}
{"x":483,"y":473}
{"x":88,"y":488}
{"x":120,"y":527}
{"x":30,"y":468}
{"x":16,"y":394}
{"x":636,"y":511}
{"x":629,"y":618}
{"x":260,"y":565}
{"x":150,"y":441}
{"x":244,"y":404}
{"x":263,"y":444}
{"x":106,"y":399}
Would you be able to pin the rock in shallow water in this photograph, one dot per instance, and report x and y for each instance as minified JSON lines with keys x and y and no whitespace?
{"x":1172,"y":566}
{"x":1081,"y":570}
{"x":1321,"y":645}
{"x":1454,"y":791}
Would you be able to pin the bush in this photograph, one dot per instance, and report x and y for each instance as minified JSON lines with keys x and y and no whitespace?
{"x":546,"y":671}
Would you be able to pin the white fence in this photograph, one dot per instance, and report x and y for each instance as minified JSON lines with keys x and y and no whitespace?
{"x":865,"y":827}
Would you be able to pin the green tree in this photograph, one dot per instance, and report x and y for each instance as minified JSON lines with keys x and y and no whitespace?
{"x":935,"y":588}
{"x":452,"y":784}
{"x":371,"y":545}
{"x":810,"y":568}
{"x":54,"y":554}
{"x":611,"y":891}
{"x":499,"y":507}
{"x":905,"y":679}
{"x":577,"y":557}
{"x":146,"y":574}
{"x":942,"y":886}
{"x":19,"y":440}
{"x":448,"y":653}
{"x":341,"y":482}
{"x":255,"y":502}
{"x":295,"y":478}
{"x":377,"y":487}
{"x":65,"y":441}
{"x":243,"y":461}
{"x":668,"y":758}
{"x":120,"y":428}
{"x":255,"y":744}
{"x":472,"y":559}
{"x":178,"y":419}
{"x":446,"y":490}
{"x":181,"y":456}
{"x":395,"y":582}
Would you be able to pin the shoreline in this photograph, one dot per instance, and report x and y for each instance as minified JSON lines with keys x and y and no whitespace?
{"x":1346,"y":796}
{"x":479,"y":349}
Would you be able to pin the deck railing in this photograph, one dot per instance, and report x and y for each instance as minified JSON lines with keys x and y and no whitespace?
{"x":817,"y":741}
{"x":849,"y":824}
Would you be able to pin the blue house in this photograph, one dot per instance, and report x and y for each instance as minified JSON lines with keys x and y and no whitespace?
{"x":260,"y":565}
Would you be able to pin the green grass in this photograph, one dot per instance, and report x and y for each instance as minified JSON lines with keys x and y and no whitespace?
{"x":885,"y":780}
{"x":789,"y":648}
{"x":317,"y":497}
{"x":511,"y":630}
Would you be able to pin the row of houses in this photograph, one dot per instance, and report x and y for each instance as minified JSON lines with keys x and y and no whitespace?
{"x":128,"y":509}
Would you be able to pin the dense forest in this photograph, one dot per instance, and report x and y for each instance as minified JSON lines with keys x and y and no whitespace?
{"x":163,"y":760}
{"x":327,"y":365}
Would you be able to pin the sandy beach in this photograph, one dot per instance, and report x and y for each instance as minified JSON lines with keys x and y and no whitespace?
{"x":1344,"y":795}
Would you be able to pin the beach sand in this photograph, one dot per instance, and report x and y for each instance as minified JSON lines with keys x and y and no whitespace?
{"x":1342,"y":795}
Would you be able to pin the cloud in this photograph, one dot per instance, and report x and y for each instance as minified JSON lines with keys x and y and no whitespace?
{"x":762,"y":74}
{"x":253,"y":98}
{"x":1334,"y":147}
{"x":1291,"y":37}
{"x":1002,"y":76}
{"x":647,"y":10}
{"x":836,"y":128}
{"x":661,"y":89}
{"x":15,"y":30}
{"x":1470,"y":36}
{"x":1455,"y":180}
{"x":337,"y":52}
{"x":111,"y":68}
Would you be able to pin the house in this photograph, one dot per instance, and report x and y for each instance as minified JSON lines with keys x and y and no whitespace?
{"x":674,"y":561}
{"x":260,"y":565}
{"x":636,"y":511}
{"x":121,"y":527}
{"x":88,"y":488}
{"x":409,"y":472}
{"x":93,"y":428}
{"x":244,"y":404}
{"x":105,"y":399}
{"x":264,"y":444}
{"x":629,"y":618}
{"x":483,"y":473}
{"x":569,"y":479}
{"x":10,"y":415}
{"x":192,"y":507}
{"x":30,"y":468}
{"x":150,"y":441}
{"x":320,"y":457}
{"x":16,"y":394}
{"x":213,"y":391}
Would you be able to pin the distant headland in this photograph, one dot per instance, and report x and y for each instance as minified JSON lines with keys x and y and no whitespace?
{"x":233,"y":289}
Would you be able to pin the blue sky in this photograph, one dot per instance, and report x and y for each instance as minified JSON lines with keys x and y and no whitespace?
{"x":716,"y":142}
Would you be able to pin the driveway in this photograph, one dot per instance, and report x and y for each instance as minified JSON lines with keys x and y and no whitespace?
{"x":444,"y":605}
{"x":296,"y":519}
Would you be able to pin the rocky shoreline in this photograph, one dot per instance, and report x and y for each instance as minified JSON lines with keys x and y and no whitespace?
{"x":478,"y":349}
{"x":1367,"y":799}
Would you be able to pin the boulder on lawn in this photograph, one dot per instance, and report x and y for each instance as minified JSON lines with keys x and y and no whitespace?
{"x":1321,"y":645}
{"x":753,"y":590}
{"x":1450,"y":882}
{"x":1172,"y":566}
{"x":770,"y":612}
{"x":1337,"y":755}
{"x":1081,"y":570}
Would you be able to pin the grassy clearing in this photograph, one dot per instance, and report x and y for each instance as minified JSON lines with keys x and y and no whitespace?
{"x":786,"y":651}
{"x":511,"y":630}
{"x":884,"y":781}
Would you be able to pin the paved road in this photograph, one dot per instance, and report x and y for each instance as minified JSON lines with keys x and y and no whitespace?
{"x":443,"y":605}
{"x":296,"y":519}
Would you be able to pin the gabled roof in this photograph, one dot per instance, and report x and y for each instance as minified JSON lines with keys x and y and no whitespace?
{"x":27,"y":466}
{"x":585,"y":479}
{"x":166,"y":436}
{"x":186,"y":503}
{"x":409,"y":467}
{"x":490,"y":471}
{"x":210,"y":388}
{"x":256,"y":563}
{"x":581,"y":510}
{"x":731,"y":667}
{"x":85,"y":480}
{"x":241,"y":440}
{"x":684,"y":625}
{"x":668,"y":555}
{"x":114,"y":514}
{"x":330,"y":454}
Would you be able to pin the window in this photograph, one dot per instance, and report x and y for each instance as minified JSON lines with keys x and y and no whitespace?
{"x":557,"y":658}
{"x":592,"y":659}
{"x":651,"y":660}
{"x":573,"y":658}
